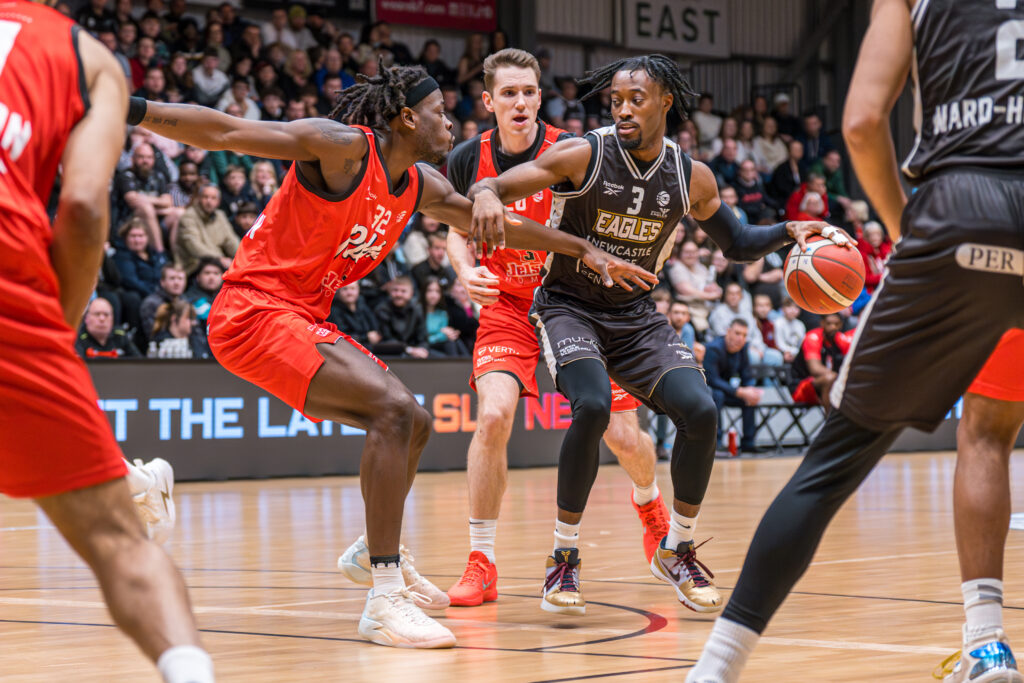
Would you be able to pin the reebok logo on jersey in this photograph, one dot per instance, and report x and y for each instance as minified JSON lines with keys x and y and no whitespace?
{"x":612,"y":189}
{"x":628,"y":228}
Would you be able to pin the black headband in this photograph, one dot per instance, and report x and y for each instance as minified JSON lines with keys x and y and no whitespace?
{"x":418,"y":92}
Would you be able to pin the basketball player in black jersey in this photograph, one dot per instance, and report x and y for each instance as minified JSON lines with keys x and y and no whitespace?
{"x":626,"y":188}
{"x":953,"y":288}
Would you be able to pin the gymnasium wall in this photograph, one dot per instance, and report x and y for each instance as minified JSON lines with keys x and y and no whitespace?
{"x":212,"y":425}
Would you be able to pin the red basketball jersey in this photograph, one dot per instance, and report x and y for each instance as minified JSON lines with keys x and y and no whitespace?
{"x":42,"y":97}
{"x":307,"y":243}
{"x":519,"y":271}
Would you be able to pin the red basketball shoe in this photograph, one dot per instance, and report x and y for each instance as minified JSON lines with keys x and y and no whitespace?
{"x":654,"y":517}
{"x":479,"y":583}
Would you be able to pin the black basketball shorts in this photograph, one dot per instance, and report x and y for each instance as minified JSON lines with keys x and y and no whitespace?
{"x":635,"y":343}
{"x":954,"y":285}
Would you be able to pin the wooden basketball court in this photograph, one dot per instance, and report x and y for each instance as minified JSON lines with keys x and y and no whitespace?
{"x":880,"y":603}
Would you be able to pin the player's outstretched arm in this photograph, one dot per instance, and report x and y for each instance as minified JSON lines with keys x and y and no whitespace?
{"x":878,"y":80}
{"x":83,"y":212}
{"x":329,"y":142}
{"x":441,"y":201}
{"x":748,"y":242}
{"x":563,"y":161}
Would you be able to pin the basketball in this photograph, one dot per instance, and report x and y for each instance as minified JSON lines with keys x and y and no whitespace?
{"x":826,"y":278}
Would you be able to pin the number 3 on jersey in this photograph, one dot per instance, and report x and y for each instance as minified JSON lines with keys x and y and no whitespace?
{"x":1009,"y":35}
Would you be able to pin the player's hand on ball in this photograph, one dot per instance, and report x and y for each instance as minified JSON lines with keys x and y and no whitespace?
{"x":481,"y":284}
{"x":615,"y":271}
{"x":487,"y":229}
{"x":801,"y":230}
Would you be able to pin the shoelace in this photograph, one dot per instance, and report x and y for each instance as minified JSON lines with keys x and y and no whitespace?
{"x":407,"y":566}
{"x":402,"y":599}
{"x":474,"y":574}
{"x":946,"y":667}
{"x":565,"y":576}
{"x":693,"y":566}
{"x":655,"y":523}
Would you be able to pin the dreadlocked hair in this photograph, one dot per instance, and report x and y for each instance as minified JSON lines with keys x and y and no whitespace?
{"x":374,"y":100}
{"x":660,"y":68}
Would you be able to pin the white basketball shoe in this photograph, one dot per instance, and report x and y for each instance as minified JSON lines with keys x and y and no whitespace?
{"x":154,"y":503}
{"x":393,"y":619}
{"x":355,"y":564}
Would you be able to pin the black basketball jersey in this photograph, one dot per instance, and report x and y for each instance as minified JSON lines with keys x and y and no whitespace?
{"x":628,"y":211}
{"x":968,"y":77}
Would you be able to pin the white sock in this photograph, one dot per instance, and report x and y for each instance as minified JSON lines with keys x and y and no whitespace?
{"x":642,"y":495}
{"x":680,"y":530}
{"x":138,"y":479}
{"x":725,"y":653}
{"x":566,"y":535}
{"x":983,"y":606}
{"x":482,"y":533}
{"x":386,"y":577}
{"x":185,"y":664}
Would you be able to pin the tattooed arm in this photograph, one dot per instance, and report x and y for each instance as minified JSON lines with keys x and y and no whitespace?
{"x":338,"y":148}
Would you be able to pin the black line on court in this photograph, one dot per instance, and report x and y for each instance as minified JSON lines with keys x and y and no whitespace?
{"x":610,"y":675}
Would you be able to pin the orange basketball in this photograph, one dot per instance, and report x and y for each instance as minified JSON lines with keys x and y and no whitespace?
{"x":826,"y":278}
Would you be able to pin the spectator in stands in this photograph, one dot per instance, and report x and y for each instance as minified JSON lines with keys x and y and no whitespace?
{"x":262,"y":182}
{"x":816,"y":184}
{"x":334,"y":65}
{"x":246,"y":216}
{"x":875,"y":249}
{"x":347,"y":47}
{"x":95,"y":15}
{"x":768,"y":350}
{"x":693,"y":283}
{"x":745,"y":139}
{"x":474,"y":91}
{"x":679,"y":319}
{"x":151,"y":28}
{"x":353,"y":316}
{"x":249,"y":44}
{"x":267,"y":80}
{"x":751,"y":195}
{"x":189,"y":40}
{"x":769,"y":149}
{"x":154,"y":85}
{"x":730,"y":131}
{"x":172,"y":287}
{"x":735,"y":304}
{"x":684,"y":138}
{"x":179,"y":77}
{"x":295,"y":110}
{"x":471,"y":64}
{"x":821,"y":354}
{"x":434,"y":265}
{"x":452,"y":96}
{"x":417,"y":240}
{"x":123,"y":12}
{"x":470,"y":129}
{"x":726,"y":165}
{"x":760,"y":111}
{"x":142,"y":55}
{"x":205,"y":286}
{"x":98,"y":338}
{"x":441,"y":336}
{"x":239,"y":95}
{"x":430,"y":60}
{"x":789,"y":330}
{"x":402,"y":326}
{"x":236,"y":190}
{"x":566,"y":105}
{"x":816,"y":142}
{"x":209,"y":81}
{"x":141,"y":192}
{"x":213,"y":39}
{"x":399,"y":51}
{"x":709,"y":124}
{"x":272,"y":104}
{"x":106,"y":35}
{"x":138,"y":265}
{"x":789,"y":125}
{"x":173,"y":333}
{"x":729,"y":197}
{"x":830,"y":168}
{"x":788,"y":176}
{"x":205,"y":232}
{"x":232,"y":24}
{"x":812,"y":207}
{"x":296,"y":35}
{"x":727,"y":367}
{"x":296,"y":74}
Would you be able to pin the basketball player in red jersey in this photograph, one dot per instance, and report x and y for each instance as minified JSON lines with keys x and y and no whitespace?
{"x":62,"y":96}
{"x":506,"y":352}
{"x":339,"y":212}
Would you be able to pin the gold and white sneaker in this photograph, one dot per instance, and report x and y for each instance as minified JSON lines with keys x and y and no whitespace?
{"x":155,"y":504}
{"x":394,"y":620}
{"x":562,"y":591}
{"x":354,"y":563}
{"x":986,"y":659}
{"x":689,"y":576}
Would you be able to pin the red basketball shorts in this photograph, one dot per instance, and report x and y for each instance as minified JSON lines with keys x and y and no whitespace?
{"x":506,"y":341}
{"x":271,"y":343}
{"x":805,"y":393}
{"x":1002,"y":378}
{"x":53,"y":436}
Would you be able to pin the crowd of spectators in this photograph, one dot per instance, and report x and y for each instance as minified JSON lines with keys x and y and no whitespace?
{"x":179,"y":212}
